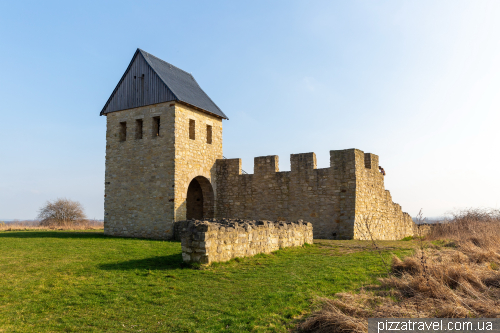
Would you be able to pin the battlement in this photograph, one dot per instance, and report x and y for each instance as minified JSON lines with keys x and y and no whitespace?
{"x":264,"y":165}
{"x":303,"y":162}
{"x":341,"y":161}
{"x":231,"y":166}
{"x":334,"y":199}
{"x":371,"y":161}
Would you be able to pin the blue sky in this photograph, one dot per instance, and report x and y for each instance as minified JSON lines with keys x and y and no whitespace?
{"x":415,"y":82}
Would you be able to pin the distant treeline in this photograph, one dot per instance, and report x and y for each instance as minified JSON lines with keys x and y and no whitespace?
{"x":34,"y":222}
{"x":430,"y":219}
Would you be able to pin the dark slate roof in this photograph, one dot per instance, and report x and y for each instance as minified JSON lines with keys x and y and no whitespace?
{"x":180,"y":83}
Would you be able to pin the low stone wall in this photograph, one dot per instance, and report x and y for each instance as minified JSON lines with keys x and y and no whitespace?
{"x":214,"y":240}
{"x":422,"y":229}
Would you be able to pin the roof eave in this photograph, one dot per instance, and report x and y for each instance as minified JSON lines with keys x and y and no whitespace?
{"x":201,"y":110}
{"x":180,"y":102}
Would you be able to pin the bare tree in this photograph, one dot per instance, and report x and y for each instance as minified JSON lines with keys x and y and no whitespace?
{"x":61,"y":212}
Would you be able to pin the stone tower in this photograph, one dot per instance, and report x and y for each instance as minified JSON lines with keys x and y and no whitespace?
{"x":163,"y":137}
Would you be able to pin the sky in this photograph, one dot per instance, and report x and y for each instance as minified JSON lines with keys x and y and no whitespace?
{"x":415,"y":82}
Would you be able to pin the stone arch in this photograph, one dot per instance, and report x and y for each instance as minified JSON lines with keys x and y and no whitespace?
{"x":200,"y":199}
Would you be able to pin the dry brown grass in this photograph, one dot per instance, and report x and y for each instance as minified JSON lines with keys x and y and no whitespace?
{"x":453,"y":274}
{"x":35,"y":225}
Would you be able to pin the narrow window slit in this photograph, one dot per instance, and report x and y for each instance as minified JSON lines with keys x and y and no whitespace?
{"x":209,"y":134}
{"x":123,"y":131}
{"x":138,"y":129}
{"x":156,"y":126}
{"x":191,"y":129}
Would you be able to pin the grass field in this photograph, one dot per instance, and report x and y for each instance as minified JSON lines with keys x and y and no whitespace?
{"x":74,"y":281}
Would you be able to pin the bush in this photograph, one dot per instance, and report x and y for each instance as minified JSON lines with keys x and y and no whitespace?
{"x":61,"y":212}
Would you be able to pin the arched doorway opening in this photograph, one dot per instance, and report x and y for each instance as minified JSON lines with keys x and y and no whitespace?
{"x":200,"y":199}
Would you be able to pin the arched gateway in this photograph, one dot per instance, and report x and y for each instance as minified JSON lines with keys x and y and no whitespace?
{"x":200,"y":199}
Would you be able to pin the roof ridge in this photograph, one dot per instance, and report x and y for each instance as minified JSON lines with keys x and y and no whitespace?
{"x":146,"y":54}
{"x":149,"y":54}
{"x":179,"y":84}
{"x":141,"y":52}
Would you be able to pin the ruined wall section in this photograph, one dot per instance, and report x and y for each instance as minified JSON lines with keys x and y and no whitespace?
{"x":336,"y":200}
{"x":205,"y":242}
{"x":325,"y":197}
{"x":139,"y":173}
{"x":375,"y":210}
{"x":195,"y":157}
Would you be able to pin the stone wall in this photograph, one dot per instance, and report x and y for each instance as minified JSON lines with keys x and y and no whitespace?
{"x":195,"y":158}
{"x":221,"y":240}
{"x":149,"y":173}
{"x":375,"y":211}
{"x":147,"y":178}
{"x":336,"y":200}
{"x":423,"y":229}
{"x":139,"y":173}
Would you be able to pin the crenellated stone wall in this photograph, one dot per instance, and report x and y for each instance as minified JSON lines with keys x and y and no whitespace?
{"x":221,"y":240}
{"x":340,"y":201}
{"x":155,"y":178}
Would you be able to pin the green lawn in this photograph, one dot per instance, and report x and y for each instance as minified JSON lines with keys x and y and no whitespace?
{"x":87,"y":282}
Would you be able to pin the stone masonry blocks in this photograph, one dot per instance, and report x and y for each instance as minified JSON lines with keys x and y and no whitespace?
{"x":214,"y":240}
{"x":148,"y":175}
{"x":346,"y":201}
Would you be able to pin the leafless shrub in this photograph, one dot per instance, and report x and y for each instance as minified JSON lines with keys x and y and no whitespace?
{"x":476,"y":232}
{"x":61,"y":212}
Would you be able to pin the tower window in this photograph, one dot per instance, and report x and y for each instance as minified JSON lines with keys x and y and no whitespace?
{"x":123,"y":131}
{"x":209,"y":134}
{"x":156,"y":126}
{"x":191,"y":129}
{"x":138,"y":128}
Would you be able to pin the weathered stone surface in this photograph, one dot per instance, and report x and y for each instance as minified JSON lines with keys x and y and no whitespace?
{"x":374,"y":206}
{"x":147,"y":178}
{"x":148,"y":181}
{"x":214,"y":240}
{"x":420,"y":230}
{"x":336,"y":200}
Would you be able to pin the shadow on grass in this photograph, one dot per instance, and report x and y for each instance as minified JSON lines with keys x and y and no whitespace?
{"x":68,"y":234}
{"x":53,"y":234}
{"x":172,"y":261}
